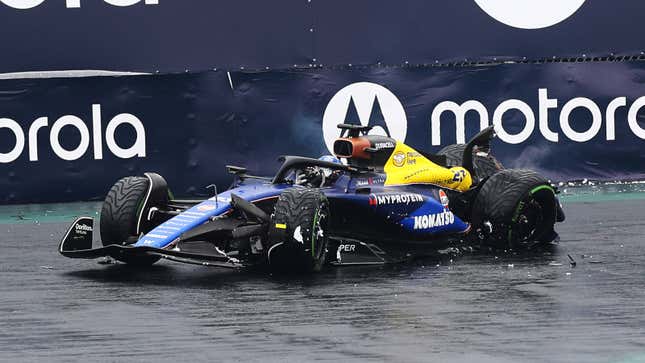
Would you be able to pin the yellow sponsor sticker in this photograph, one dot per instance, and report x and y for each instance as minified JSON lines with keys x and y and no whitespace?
{"x":281,"y":225}
{"x":398,"y":159}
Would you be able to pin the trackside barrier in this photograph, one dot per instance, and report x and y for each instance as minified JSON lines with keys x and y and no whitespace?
{"x":70,"y":139}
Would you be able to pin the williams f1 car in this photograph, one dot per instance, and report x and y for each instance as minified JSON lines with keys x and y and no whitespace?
{"x":385,"y":203}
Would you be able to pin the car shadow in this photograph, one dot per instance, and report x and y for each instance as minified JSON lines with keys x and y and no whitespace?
{"x":191,"y":276}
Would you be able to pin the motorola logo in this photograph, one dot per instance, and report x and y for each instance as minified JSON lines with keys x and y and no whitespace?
{"x":90,"y":134}
{"x":371,"y":104}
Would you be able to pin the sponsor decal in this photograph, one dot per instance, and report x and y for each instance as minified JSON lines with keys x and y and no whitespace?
{"x":412,"y":158}
{"x":530,"y":14}
{"x":544,"y":104}
{"x":280,"y":226}
{"x":297,"y":235}
{"x":420,"y":171}
{"x":443,"y":198}
{"x":221,"y":199}
{"x":82,"y":229}
{"x":532,"y":118}
{"x":367,"y":104}
{"x":36,"y":129}
{"x":389,"y":199}
{"x":398,"y":159}
{"x":458,"y":175}
{"x":369,"y":181}
{"x":72,"y":4}
{"x":384,"y":145}
{"x":428,"y":221}
{"x":206,"y":207}
{"x":347,"y":248}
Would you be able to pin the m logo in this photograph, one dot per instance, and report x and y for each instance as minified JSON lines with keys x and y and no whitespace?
{"x":367,"y":104}
{"x":530,"y":14}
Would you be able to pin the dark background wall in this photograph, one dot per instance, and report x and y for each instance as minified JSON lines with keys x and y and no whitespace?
{"x":173,"y":35}
{"x":231,"y":109}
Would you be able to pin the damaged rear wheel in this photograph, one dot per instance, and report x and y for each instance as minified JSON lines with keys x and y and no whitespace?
{"x":484,"y":163}
{"x":520,"y":206}
{"x":297,"y":231}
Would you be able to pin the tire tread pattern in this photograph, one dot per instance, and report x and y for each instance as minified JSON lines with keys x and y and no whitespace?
{"x":119,"y":213}
{"x":500,"y":196}
{"x":298,"y":207}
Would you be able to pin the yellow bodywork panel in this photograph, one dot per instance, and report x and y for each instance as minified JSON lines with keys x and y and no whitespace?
{"x":407,"y":166}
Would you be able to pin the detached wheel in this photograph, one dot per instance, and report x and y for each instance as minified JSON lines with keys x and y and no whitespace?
{"x":120,"y":214}
{"x":485,"y":164}
{"x":297,"y":233}
{"x":520,"y":205}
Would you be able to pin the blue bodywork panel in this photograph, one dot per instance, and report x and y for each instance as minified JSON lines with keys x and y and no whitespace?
{"x":416,"y":210}
{"x":167,"y":232}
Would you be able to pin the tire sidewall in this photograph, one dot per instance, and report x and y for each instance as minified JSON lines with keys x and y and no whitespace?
{"x":120,"y":214}
{"x":294,"y":243}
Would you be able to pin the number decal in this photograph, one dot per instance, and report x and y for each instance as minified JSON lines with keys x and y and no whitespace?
{"x":458,"y":175}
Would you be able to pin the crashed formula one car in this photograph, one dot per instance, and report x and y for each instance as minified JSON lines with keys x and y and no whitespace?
{"x":387,"y":203}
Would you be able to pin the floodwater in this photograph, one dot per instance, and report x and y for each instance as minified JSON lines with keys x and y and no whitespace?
{"x":529,"y":307}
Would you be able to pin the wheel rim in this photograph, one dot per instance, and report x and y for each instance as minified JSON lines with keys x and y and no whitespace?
{"x":528,"y":221}
{"x":318,"y":235}
{"x":533,"y":215}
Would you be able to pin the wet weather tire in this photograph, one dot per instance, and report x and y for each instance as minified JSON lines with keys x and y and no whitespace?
{"x":120,"y":215}
{"x":519,"y":204}
{"x":297,"y":233}
{"x":485,"y":166}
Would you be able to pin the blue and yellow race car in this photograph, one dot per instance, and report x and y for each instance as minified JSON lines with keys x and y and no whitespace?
{"x":376,"y":201}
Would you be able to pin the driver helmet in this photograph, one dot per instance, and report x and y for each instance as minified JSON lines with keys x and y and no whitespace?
{"x":332,"y":159}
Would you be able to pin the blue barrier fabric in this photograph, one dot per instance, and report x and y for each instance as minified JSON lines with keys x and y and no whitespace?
{"x":70,"y":139}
